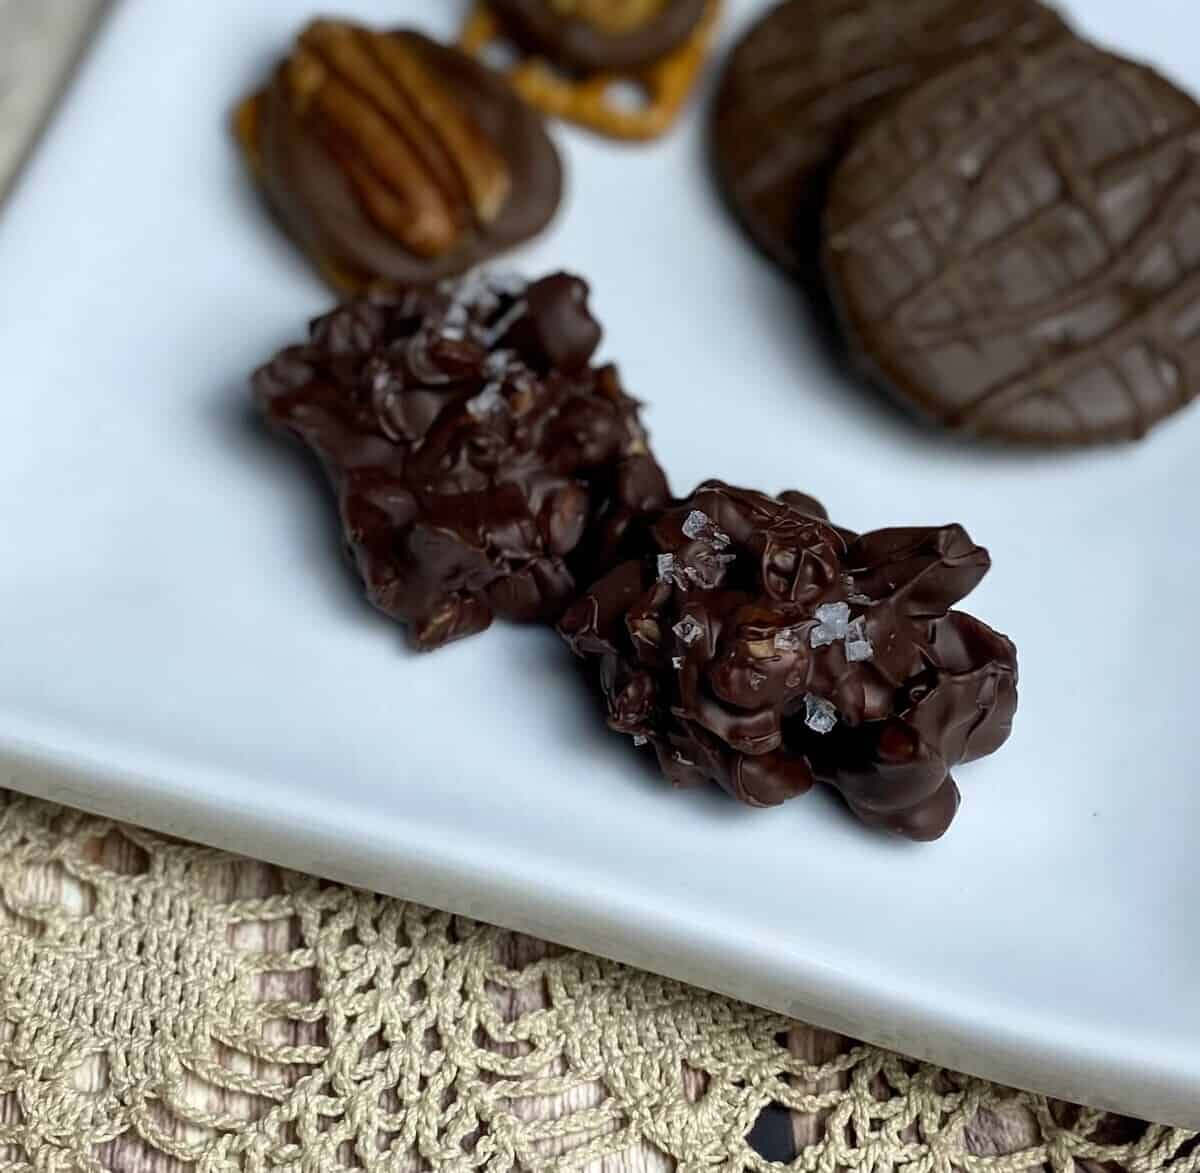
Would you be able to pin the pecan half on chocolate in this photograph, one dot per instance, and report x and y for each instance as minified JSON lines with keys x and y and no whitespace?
{"x":755,"y":645}
{"x":393,"y":158}
{"x":480,"y":462}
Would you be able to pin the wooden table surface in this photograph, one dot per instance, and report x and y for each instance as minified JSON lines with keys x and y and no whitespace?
{"x":39,"y":42}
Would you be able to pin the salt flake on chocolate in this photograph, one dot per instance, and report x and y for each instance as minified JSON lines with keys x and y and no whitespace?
{"x":788,"y":639}
{"x":819,"y":715}
{"x":858,"y":644}
{"x":498,"y":363}
{"x":504,"y":323}
{"x":833,"y":623}
{"x":698,"y":526}
{"x":707,"y":569}
{"x":688,"y":630}
{"x":487,"y":402}
{"x":454,"y":322}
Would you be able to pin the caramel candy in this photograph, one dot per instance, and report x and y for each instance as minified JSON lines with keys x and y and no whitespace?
{"x":393,"y":158}
{"x":753,"y":644}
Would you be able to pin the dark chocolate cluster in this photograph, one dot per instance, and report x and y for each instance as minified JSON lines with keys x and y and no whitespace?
{"x":481,"y":462}
{"x":484,"y":467}
{"x":752,"y":643}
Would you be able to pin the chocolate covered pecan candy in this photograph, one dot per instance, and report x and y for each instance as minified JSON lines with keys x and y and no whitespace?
{"x":391,"y":157}
{"x":480,"y":461}
{"x":755,"y":645}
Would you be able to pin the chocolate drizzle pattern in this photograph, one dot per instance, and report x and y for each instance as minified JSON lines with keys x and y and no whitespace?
{"x":811,"y":71}
{"x":1016,"y":246}
{"x":480,"y":461}
{"x":753,"y":644}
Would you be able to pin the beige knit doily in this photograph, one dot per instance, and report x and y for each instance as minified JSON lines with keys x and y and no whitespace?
{"x":169,"y":1007}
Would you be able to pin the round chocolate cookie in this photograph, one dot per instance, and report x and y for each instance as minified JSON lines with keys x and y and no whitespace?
{"x":600,"y":35}
{"x":1015,"y":246}
{"x":393,"y":157}
{"x":806,"y":74}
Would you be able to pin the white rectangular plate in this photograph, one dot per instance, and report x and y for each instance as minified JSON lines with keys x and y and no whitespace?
{"x":180,"y":644}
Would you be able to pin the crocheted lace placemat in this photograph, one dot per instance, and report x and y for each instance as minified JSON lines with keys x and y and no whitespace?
{"x":169,"y":1007}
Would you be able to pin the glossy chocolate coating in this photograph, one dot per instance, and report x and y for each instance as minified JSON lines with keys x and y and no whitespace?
{"x":474,"y":477}
{"x":573,"y":42}
{"x":310,"y":190}
{"x":809,"y":72}
{"x":1015,"y":247}
{"x":716,"y":645}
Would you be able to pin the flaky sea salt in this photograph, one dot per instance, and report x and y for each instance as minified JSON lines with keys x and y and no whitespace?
{"x":833,"y":622}
{"x":757,"y":680}
{"x":707,"y":569}
{"x":504,"y":323}
{"x":640,"y":739}
{"x":498,"y":363}
{"x":789,"y":639}
{"x":455,"y":317}
{"x":835,"y":615}
{"x":819,"y":715}
{"x":858,"y":644}
{"x":488,"y":400}
{"x":700,"y":527}
{"x":688,"y":630}
{"x":666,"y":568}
{"x":676,"y":662}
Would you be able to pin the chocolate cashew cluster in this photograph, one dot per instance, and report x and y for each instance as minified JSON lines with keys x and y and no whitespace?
{"x":753,"y":644}
{"x":481,"y":463}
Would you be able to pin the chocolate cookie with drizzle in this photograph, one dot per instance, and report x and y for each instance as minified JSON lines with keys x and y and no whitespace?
{"x":1015,"y":247}
{"x":807,"y":75}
